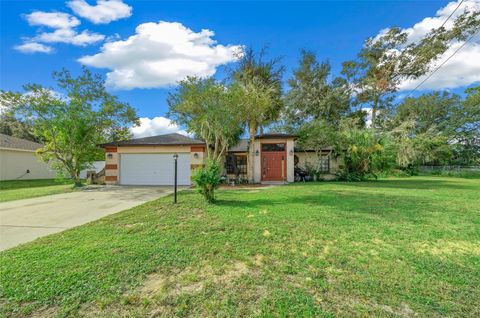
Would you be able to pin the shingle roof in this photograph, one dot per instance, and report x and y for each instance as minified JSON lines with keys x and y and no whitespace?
{"x":18,"y":143}
{"x":168,"y":139}
{"x":241,"y":146}
{"x":274,"y":136}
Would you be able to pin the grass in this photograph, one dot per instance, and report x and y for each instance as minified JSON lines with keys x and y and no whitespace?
{"x":24,"y":189}
{"x":396,"y":247}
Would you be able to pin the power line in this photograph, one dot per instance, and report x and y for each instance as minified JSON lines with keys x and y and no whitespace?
{"x":451,"y":14}
{"x":444,"y":62}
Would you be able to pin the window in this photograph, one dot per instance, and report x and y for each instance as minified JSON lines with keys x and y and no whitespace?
{"x":324,"y":164}
{"x":273,"y":147}
{"x":236,"y":164}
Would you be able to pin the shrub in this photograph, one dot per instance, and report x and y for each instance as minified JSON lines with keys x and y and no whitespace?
{"x":207,"y":179}
{"x":365,"y":154}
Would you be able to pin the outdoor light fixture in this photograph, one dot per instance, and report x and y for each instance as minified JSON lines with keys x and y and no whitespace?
{"x":257,"y":153}
{"x":195,"y":155}
{"x":291,"y":152}
{"x":109,"y":156}
{"x":175,"y":158}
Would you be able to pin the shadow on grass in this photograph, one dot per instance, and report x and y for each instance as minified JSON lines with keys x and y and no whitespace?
{"x":411,"y":184}
{"x":349,"y":199}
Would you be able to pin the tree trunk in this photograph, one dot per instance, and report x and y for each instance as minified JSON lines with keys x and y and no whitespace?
{"x":252,"y":130}
{"x":374,"y":111}
{"x":76,"y":178}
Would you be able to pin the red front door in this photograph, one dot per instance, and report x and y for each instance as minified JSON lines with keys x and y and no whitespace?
{"x":273,"y":166}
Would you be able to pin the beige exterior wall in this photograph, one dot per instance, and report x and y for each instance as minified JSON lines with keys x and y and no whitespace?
{"x":310,"y":158}
{"x":14,"y":164}
{"x":112,"y":175}
{"x":257,"y":175}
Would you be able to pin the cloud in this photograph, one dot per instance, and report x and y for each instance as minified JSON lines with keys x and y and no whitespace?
{"x":63,"y":25}
{"x":34,"y":47}
{"x":161,"y":54}
{"x":463,"y":68}
{"x":55,"y":20}
{"x":368,"y":118}
{"x":156,"y":126}
{"x":69,"y":36}
{"x":105,"y":11}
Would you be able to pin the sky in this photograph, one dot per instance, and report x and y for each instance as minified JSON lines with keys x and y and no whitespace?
{"x":145,"y":47}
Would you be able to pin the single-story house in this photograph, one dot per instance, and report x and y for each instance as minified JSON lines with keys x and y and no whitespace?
{"x":19,"y":162}
{"x":149,"y":160}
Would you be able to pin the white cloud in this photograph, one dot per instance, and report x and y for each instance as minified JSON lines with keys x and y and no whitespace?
{"x":34,"y":47}
{"x":56,"y":20}
{"x":368,"y":118}
{"x":104,"y":11}
{"x":156,"y":126}
{"x":69,"y":36}
{"x":63,"y":25}
{"x":161,"y":54}
{"x":464,"y":67}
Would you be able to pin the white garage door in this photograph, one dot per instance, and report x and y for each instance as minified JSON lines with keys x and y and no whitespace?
{"x":153,"y":169}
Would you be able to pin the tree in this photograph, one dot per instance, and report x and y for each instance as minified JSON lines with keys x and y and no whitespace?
{"x":258,"y":84}
{"x":391,"y":57}
{"x":209,"y":110}
{"x":364,"y":152}
{"x":208,"y":179}
{"x":72,"y":123}
{"x":312,"y":96}
{"x":467,"y":135}
{"x":12,"y":126}
{"x":436,"y":128}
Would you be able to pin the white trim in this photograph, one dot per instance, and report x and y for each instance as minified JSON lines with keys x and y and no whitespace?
{"x":17,"y":149}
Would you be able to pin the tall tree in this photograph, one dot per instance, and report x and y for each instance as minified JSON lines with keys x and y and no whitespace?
{"x":391,"y":57}
{"x":258,"y":82}
{"x":74,"y":122}
{"x":12,"y":126}
{"x":312,"y":96}
{"x":436,"y":128}
{"x":209,"y":110}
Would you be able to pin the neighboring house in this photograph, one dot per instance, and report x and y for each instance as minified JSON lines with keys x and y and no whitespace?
{"x":19,"y":162}
{"x":149,"y":160}
{"x":96,"y":166}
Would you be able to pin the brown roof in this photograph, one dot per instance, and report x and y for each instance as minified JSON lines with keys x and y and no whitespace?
{"x":160,"y":140}
{"x":18,"y":143}
{"x":274,"y":136}
{"x":241,"y":146}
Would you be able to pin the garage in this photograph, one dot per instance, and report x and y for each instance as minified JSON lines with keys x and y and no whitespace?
{"x":153,"y":169}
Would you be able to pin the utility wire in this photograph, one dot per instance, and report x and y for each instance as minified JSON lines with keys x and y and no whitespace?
{"x":451,"y":14}
{"x":436,"y":69}
{"x":444,"y":62}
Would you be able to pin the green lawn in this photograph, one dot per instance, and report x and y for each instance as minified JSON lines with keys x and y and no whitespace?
{"x":393,"y":248}
{"x":24,"y":189}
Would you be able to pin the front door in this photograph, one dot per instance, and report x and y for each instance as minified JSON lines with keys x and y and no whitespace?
{"x":273,"y":162}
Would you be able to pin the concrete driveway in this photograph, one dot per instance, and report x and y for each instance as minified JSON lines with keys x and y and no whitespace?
{"x":22,"y":221}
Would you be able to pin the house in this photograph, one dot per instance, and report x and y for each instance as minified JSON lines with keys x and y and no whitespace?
{"x":19,"y":162}
{"x":149,"y":160}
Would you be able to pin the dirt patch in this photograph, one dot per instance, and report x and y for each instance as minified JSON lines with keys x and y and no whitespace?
{"x":246,"y":187}
{"x":190,"y":281}
{"x":344,"y":303}
{"x":446,"y":248}
{"x":45,"y":312}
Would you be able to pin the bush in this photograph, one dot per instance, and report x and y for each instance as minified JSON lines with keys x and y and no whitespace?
{"x":207,"y":179}
{"x":365,"y":155}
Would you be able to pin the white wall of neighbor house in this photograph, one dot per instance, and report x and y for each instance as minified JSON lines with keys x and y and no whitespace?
{"x":96,"y":166}
{"x":15,"y":163}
